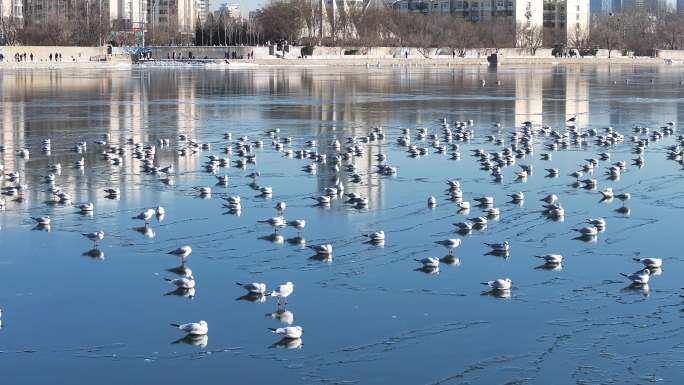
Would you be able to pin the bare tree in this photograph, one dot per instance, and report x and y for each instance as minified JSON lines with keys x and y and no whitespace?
{"x":9,"y":30}
{"x":607,"y":32}
{"x":530,"y":37}
{"x":280,"y":20}
{"x":670,"y":30}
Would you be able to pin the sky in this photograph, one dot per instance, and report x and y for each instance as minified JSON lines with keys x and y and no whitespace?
{"x":245,"y":5}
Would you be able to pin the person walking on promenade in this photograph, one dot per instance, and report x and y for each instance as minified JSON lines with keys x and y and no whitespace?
{"x":31,"y":56}
{"x":50,"y":57}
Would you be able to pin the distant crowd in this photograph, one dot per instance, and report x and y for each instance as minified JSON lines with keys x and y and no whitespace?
{"x":24,"y":57}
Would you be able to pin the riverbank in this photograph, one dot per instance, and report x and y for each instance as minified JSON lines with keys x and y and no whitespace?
{"x":346,"y":62}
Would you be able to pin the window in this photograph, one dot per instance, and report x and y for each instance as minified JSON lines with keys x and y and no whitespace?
{"x":500,"y":3}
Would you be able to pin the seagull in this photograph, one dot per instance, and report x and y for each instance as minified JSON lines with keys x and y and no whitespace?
{"x":450,"y":244}
{"x":284,"y":290}
{"x":194,"y":328}
{"x":289,"y":332}
{"x":608,"y":193}
{"x":112,"y":192}
{"x":325,"y":249}
{"x":577,"y":174}
{"x":464,"y":226}
{"x":650,"y":262}
{"x":519,"y":196}
{"x":96,"y":237}
{"x":550,"y":199}
{"x":275,"y":222}
{"x":266,"y":190}
{"x":589,"y":230}
{"x":499,"y":284}
{"x":552,"y":259}
{"x":485,"y":200}
{"x":280,"y":207}
{"x":479,"y":221}
{"x":146,"y":215}
{"x":42,"y":221}
{"x":182,"y":282}
{"x":376,"y":236}
{"x":624,"y":197}
{"x":641,"y":277}
{"x":493,"y":211}
{"x":298,"y":224}
{"x":429,"y":262}
{"x":432,"y":201}
{"x":596,"y":222}
{"x":86,"y":207}
{"x":254,"y":287}
{"x":160,"y":211}
{"x":499,"y":247}
{"x":182,"y":252}
{"x":323,"y":199}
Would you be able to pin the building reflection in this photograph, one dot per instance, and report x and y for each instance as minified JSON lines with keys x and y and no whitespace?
{"x":146,"y":105}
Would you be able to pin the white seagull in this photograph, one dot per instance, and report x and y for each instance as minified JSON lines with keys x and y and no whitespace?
{"x":254,"y":287}
{"x":194,"y":328}
{"x":650,"y":262}
{"x":499,"y":247}
{"x":552,"y":259}
{"x":326,"y":249}
{"x":42,"y":221}
{"x":429,"y":262}
{"x":183,"y":251}
{"x":284,"y":290}
{"x":290,"y":332}
{"x":146,"y":215}
{"x":450,"y":244}
{"x":96,"y":236}
{"x":182,"y":282}
{"x":376,"y":236}
{"x":499,"y":284}
{"x":640,"y":277}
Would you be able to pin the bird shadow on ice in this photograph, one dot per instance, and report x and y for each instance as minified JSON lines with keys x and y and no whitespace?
{"x":95,"y":253}
{"x":288,"y":343}
{"x":252,"y":297}
{"x":194,"y":340}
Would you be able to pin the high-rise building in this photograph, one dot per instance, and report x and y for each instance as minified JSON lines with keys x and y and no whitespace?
{"x":232,"y":9}
{"x":12,"y":9}
{"x":172,"y":17}
{"x":566,"y":21}
{"x":202,"y":9}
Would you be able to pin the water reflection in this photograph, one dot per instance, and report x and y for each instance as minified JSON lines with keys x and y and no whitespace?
{"x":144,"y":106}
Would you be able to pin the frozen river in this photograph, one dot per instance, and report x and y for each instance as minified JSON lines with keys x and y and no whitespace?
{"x":73,"y":315}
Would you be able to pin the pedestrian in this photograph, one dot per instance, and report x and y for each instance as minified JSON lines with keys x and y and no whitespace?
{"x":31,"y":56}
{"x":50,"y":57}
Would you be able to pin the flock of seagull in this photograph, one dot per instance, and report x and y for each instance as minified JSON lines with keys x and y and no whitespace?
{"x":446,"y":139}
